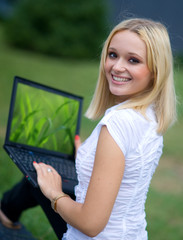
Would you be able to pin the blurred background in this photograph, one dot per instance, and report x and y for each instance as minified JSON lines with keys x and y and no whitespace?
{"x":58,"y":43}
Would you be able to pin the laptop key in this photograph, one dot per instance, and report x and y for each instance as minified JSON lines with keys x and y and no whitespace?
{"x":66,"y":169}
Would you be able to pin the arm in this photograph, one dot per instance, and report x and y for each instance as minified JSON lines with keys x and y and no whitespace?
{"x":102,"y":191}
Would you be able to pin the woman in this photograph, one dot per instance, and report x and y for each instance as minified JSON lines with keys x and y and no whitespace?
{"x":115,"y":164}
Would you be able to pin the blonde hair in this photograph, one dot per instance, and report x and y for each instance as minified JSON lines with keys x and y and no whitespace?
{"x":160,"y":64}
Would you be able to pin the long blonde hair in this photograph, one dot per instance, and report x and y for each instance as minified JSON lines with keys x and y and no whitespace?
{"x":160,"y":64}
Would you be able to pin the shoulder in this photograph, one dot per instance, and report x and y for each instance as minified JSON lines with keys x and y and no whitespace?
{"x":129,"y":117}
{"x":121,"y":126}
{"x":128,"y":126}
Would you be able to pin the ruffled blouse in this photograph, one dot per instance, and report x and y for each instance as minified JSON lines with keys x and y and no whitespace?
{"x":137,"y":138}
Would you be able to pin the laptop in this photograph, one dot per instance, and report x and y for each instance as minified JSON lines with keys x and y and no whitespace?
{"x":42,"y":124}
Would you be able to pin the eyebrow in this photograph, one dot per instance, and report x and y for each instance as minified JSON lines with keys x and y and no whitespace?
{"x":135,"y":54}
{"x":110,"y":48}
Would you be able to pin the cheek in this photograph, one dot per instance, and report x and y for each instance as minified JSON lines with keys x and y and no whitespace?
{"x":144,"y":74}
{"x":107,"y":66}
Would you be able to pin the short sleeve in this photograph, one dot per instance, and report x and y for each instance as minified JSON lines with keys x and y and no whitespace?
{"x":120,"y":127}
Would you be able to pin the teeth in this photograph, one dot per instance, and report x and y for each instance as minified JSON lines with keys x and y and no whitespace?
{"x":120,"y":79}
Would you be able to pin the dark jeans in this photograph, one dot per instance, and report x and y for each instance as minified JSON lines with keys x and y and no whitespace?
{"x":23,"y":196}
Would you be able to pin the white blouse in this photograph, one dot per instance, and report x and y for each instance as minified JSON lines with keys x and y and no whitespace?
{"x":142,"y":147}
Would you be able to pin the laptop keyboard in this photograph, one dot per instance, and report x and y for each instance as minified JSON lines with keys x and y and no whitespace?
{"x":64,"y":167}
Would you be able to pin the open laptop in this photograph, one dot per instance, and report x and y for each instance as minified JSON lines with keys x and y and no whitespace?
{"x":42,"y":124}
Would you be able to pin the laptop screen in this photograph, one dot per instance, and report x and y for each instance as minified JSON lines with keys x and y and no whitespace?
{"x":44,"y":119}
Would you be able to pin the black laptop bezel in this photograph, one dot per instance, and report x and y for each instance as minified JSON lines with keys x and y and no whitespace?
{"x":24,"y":81}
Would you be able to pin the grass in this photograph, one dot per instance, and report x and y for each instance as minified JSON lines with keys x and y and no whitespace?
{"x":164,"y":202}
{"x":44,"y":124}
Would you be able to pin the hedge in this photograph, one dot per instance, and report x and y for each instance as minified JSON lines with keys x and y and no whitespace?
{"x":63,"y":28}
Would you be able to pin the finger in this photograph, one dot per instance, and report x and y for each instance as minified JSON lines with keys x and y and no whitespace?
{"x":77,"y":142}
{"x":47,"y":168}
{"x":37,"y":167}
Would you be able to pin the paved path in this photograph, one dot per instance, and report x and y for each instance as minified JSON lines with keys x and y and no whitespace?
{"x":21,"y":234}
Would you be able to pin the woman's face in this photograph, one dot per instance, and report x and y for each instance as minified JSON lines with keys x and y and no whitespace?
{"x":126,"y":67}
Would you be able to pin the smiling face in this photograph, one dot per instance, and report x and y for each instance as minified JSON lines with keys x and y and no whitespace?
{"x":126,"y":67}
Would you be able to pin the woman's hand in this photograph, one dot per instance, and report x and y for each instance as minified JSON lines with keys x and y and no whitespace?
{"x":49,"y":181}
{"x":77,"y":142}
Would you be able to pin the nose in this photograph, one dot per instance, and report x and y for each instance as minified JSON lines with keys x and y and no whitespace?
{"x":119,"y":66}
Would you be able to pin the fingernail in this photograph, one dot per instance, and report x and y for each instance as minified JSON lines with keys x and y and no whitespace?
{"x":77,"y":137}
{"x":34,"y":161}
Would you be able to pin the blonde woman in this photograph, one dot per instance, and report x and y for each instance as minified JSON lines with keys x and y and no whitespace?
{"x":135,"y":93}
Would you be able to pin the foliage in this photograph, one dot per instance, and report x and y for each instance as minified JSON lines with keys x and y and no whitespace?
{"x":62,"y":28}
{"x":178,"y":59}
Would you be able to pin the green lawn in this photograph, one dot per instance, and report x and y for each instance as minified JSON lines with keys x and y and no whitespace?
{"x":164,"y":203}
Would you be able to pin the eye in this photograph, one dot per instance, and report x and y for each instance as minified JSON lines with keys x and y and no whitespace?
{"x":112,"y":55}
{"x":134,"y":60}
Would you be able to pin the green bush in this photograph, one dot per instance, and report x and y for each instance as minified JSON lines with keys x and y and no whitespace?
{"x":178,"y":59}
{"x":62,"y":28}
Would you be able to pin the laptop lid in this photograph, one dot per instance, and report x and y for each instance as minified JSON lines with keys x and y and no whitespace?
{"x":43,"y":119}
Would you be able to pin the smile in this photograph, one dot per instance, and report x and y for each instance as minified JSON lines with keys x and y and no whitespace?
{"x":120,"y":79}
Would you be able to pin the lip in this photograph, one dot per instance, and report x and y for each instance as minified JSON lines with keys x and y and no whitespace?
{"x":120,"y":82}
